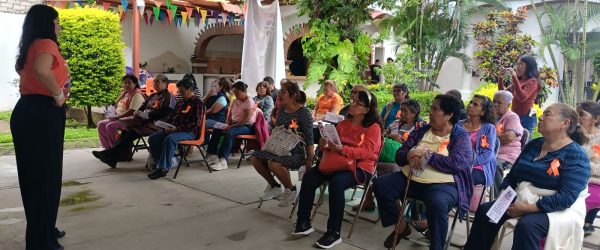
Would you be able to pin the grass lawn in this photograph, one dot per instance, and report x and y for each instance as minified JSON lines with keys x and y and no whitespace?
{"x":77,"y":135}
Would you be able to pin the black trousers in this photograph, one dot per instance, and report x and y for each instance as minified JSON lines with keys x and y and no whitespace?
{"x":121,"y":151}
{"x":38,"y":129}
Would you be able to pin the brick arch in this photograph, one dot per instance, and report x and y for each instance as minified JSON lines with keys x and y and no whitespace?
{"x":295,"y":32}
{"x":200,"y":62}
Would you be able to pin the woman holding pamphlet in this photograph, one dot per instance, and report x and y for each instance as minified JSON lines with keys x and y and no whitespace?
{"x":550,"y":179}
{"x":130,"y":100}
{"x":182,"y":125}
{"x":343,"y":166}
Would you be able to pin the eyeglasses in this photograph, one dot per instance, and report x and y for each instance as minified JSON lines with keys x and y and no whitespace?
{"x":355,"y":103}
{"x":397,"y":90}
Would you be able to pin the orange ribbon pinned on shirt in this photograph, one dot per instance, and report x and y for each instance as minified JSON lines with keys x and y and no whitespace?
{"x":405,"y":136}
{"x":155,"y":104}
{"x":484,"y":142}
{"x":294,"y":124}
{"x":362,"y":139}
{"x":398,"y":113}
{"x":499,"y":128}
{"x":596,"y":149}
{"x":553,"y":169}
{"x":443,"y":145}
{"x":187,"y":109}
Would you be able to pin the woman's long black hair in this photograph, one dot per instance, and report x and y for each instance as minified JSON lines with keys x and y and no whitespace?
{"x":531,"y":68}
{"x":38,"y":24}
{"x":372,"y":116}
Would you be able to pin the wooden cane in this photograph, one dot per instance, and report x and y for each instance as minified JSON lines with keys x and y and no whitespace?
{"x":401,"y":217}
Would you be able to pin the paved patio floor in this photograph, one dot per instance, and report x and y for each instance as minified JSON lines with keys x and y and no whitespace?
{"x":198,"y":210}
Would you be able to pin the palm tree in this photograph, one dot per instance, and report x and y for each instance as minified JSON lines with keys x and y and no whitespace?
{"x":434,"y":29}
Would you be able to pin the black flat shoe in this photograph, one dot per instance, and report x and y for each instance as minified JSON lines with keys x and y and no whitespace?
{"x":108,"y":161}
{"x":59,"y":233}
{"x":157,"y":174}
{"x":97,"y":154}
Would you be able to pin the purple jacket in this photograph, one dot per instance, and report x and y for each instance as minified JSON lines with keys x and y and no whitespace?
{"x":458,"y":162}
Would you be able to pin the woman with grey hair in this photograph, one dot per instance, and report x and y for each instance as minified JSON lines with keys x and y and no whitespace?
{"x":509,"y":130}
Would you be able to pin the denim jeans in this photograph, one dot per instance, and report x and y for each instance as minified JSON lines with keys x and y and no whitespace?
{"x":163,"y":146}
{"x":228,"y":136}
{"x":210,"y":123}
{"x":528,"y":122}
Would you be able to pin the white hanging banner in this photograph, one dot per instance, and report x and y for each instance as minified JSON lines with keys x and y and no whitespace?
{"x":263,"y":44}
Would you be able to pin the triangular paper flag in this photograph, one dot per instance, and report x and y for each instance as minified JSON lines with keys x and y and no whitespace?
{"x":156,"y":11}
{"x":106,"y":5}
{"x":216,"y":15}
{"x":141,"y":3}
{"x":203,"y":13}
{"x":198,"y":9}
{"x":170,"y":15}
{"x":174,"y":10}
{"x":168,"y":2}
{"x":148,"y":16}
{"x":178,"y":21}
{"x":124,"y":3}
{"x":157,"y":4}
{"x":189,"y":11}
{"x":162,"y":17}
{"x":121,"y":10}
{"x":151,"y":21}
{"x":225,"y":16}
{"x":231,"y":18}
{"x":197,"y":19}
{"x":184,"y":16}
{"x":141,"y":11}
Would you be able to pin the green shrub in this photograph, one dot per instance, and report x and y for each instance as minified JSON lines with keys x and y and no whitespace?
{"x":311,"y":103}
{"x":90,"y":41}
{"x":384,"y":95}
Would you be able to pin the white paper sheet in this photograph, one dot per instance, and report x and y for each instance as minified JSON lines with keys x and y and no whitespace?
{"x":110,"y":112}
{"x":164,"y":125}
{"x":329,"y":133}
{"x":501,"y":204}
{"x":333,"y":117}
{"x":220,"y":125}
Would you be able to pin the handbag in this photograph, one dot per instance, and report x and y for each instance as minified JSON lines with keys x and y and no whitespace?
{"x":332,"y":162}
{"x":282,"y":141}
{"x":388,"y":153}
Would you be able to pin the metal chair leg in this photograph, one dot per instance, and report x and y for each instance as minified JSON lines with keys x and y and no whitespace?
{"x":204,"y":158}
{"x":181,"y":154}
{"x":360,"y":206}
{"x":319,"y":201}
{"x":242,"y":155}
{"x":451,"y":233}
{"x":295,"y":206}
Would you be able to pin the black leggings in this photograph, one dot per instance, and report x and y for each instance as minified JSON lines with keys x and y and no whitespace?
{"x":38,"y":129}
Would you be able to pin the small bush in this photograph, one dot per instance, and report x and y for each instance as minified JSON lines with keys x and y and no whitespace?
{"x":311,"y":103}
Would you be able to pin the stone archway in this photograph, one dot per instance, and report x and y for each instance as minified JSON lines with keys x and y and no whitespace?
{"x":200,"y":59}
{"x":295,"y":32}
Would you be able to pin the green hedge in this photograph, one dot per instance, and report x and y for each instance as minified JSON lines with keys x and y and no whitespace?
{"x":90,"y":41}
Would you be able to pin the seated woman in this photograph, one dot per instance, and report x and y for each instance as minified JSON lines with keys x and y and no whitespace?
{"x":197,"y":91}
{"x":157,"y":107}
{"x":187,"y":115}
{"x":128,"y":102}
{"x":480,"y":125}
{"x":216,"y":101}
{"x":263,"y":99}
{"x":391,"y":111}
{"x":293,"y":113}
{"x":360,"y":135}
{"x":239,"y":122}
{"x":353,"y":92}
{"x":549,"y":176}
{"x":397,"y":131}
{"x":329,"y":101}
{"x":442,"y":183}
{"x":589,"y":119}
{"x":273,"y":119}
{"x":509,"y":131}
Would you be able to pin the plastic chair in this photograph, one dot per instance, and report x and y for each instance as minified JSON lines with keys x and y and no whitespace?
{"x":184,"y":146}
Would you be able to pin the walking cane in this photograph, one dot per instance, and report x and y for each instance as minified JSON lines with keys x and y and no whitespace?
{"x":401,"y":217}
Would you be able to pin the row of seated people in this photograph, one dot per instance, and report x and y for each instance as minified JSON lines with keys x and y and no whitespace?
{"x":443,"y":184}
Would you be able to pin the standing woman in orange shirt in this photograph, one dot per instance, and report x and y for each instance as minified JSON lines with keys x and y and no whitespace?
{"x":38,"y":125}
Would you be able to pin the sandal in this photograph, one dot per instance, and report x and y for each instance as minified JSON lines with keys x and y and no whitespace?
{"x":423,"y":231}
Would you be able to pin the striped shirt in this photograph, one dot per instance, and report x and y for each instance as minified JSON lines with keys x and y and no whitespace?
{"x":187,"y":114}
{"x":572,"y":178}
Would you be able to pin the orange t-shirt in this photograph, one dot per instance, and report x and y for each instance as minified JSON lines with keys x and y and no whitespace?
{"x":328,"y":104}
{"x":29,"y":84}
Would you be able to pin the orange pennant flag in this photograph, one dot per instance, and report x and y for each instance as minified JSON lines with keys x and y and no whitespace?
{"x":294,"y":124}
{"x":499,"y":128}
{"x":405,"y":136}
{"x":484,"y":142}
{"x":187,"y":109}
{"x":553,"y":169}
{"x":596,"y":149}
{"x":443,"y":145}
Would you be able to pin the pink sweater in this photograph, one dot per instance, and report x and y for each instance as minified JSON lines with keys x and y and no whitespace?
{"x":524,"y":94}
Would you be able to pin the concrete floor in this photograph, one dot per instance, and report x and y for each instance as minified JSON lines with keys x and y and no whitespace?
{"x":198,"y":210}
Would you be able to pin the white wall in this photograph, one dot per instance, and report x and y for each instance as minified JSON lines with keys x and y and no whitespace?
{"x":8,"y":53}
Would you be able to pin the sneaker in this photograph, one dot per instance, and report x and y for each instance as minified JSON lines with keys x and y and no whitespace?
{"x":288,"y":198}
{"x":302,"y":229}
{"x":211,"y":159}
{"x":158,"y":174}
{"x":272,"y":193}
{"x":174,"y":161}
{"x":329,"y":240}
{"x":221,"y":164}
